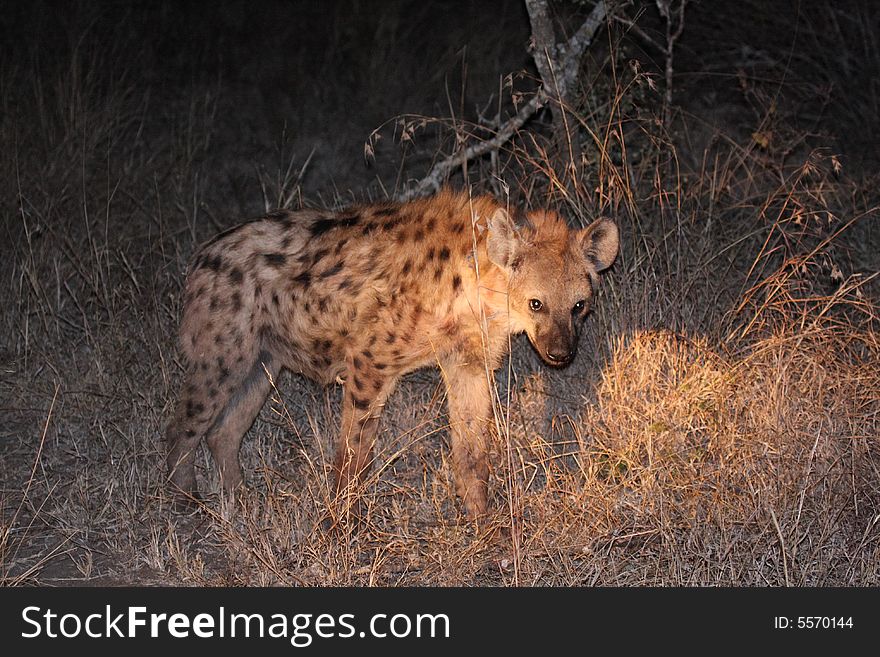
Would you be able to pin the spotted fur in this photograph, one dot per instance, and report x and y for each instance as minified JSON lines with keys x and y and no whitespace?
{"x":366,"y":295}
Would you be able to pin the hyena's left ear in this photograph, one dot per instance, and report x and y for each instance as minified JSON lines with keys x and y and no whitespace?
{"x":599,"y":242}
{"x":503,"y":241}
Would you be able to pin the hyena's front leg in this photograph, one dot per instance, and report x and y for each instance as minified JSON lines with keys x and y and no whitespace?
{"x":467,"y":391}
{"x":365,"y":393}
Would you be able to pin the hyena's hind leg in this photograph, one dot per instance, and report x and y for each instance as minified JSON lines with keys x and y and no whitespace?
{"x":225,"y":435}
{"x":220,"y":406}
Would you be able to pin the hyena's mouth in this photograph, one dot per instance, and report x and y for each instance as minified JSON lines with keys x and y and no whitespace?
{"x":555,"y":357}
{"x":557,"y":362}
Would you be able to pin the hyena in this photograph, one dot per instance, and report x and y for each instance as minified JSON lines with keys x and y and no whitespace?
{"x":365,"y":295}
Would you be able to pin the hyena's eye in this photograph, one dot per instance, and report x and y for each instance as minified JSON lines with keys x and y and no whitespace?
{"x":535,"y":305}
{"x":578,"y":308}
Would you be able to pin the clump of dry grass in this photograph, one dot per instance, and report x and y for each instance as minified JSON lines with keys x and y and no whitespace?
{"x":705,"y":467}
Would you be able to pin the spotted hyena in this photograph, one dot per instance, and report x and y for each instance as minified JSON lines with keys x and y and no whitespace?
{"x":364,"y":296}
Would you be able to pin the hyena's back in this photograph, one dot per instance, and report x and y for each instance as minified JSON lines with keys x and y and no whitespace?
{"x":325,"y":294}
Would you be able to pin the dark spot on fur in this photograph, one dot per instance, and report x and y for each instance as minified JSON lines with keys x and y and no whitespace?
{"x":321,"y":226}
{"x":431,"y":253}
{"x":304,"y":279}
{"x":431,"y":223}
{"x":357,"y":362}
{"x":212,"y":392}
{"x":360,"y":404}
{"x":390,"y":338}
{"x":323,"y":303}
{"x":372,"y":340}
{"x":215,"y":303}
{"x":456,"y":283}
{"x":274,"y":299}
{"x":339,"y":246}
{"x":285,"y":242}
{"x":407,"y":266}
{"x":235,"y":276}
{"x":307,"y":307}
{"x":343,"y":333}
{"x":438,"y":273}
{"x":275,"y":259}
{"x":385,"y":212}
{"x":348,"y":220}
{"x":335,"y":269}
{"x":358,"y":383}
{"x":366,"y":353}
{"x":379,"y":366}
{"x":319,"y":255}
{"x":236,"y":302}
{"x":258,"y":290}
{"x":190,"y":433}
{"x":194,"y":408}
{"x":418,"y":235}
{"x":457,"y":229}
{"x":377,"y":385}
{"x":214,"y":264}
{"x":444,"y":253}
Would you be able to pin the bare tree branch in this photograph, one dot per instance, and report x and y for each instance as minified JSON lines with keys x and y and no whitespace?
{"x":565,"y":66}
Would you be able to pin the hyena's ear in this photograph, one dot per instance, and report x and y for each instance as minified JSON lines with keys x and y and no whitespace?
{"x":599,"y":242}
{"x":503,"y":241}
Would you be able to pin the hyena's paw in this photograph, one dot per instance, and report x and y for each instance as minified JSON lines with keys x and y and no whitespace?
{"x":185,"y":502}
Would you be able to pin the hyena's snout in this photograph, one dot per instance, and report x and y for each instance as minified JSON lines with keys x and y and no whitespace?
{"x":558,"y":346}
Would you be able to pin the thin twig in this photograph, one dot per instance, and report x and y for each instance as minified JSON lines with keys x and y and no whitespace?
{"x":569,"y":53}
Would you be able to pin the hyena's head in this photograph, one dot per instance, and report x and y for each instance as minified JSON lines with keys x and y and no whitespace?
{"x":552,"y":272}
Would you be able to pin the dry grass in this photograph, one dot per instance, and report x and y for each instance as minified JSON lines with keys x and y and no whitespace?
{"x":720,"y":426}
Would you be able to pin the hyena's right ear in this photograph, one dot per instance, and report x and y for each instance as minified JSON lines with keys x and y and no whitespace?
{"x":503,"y":241}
